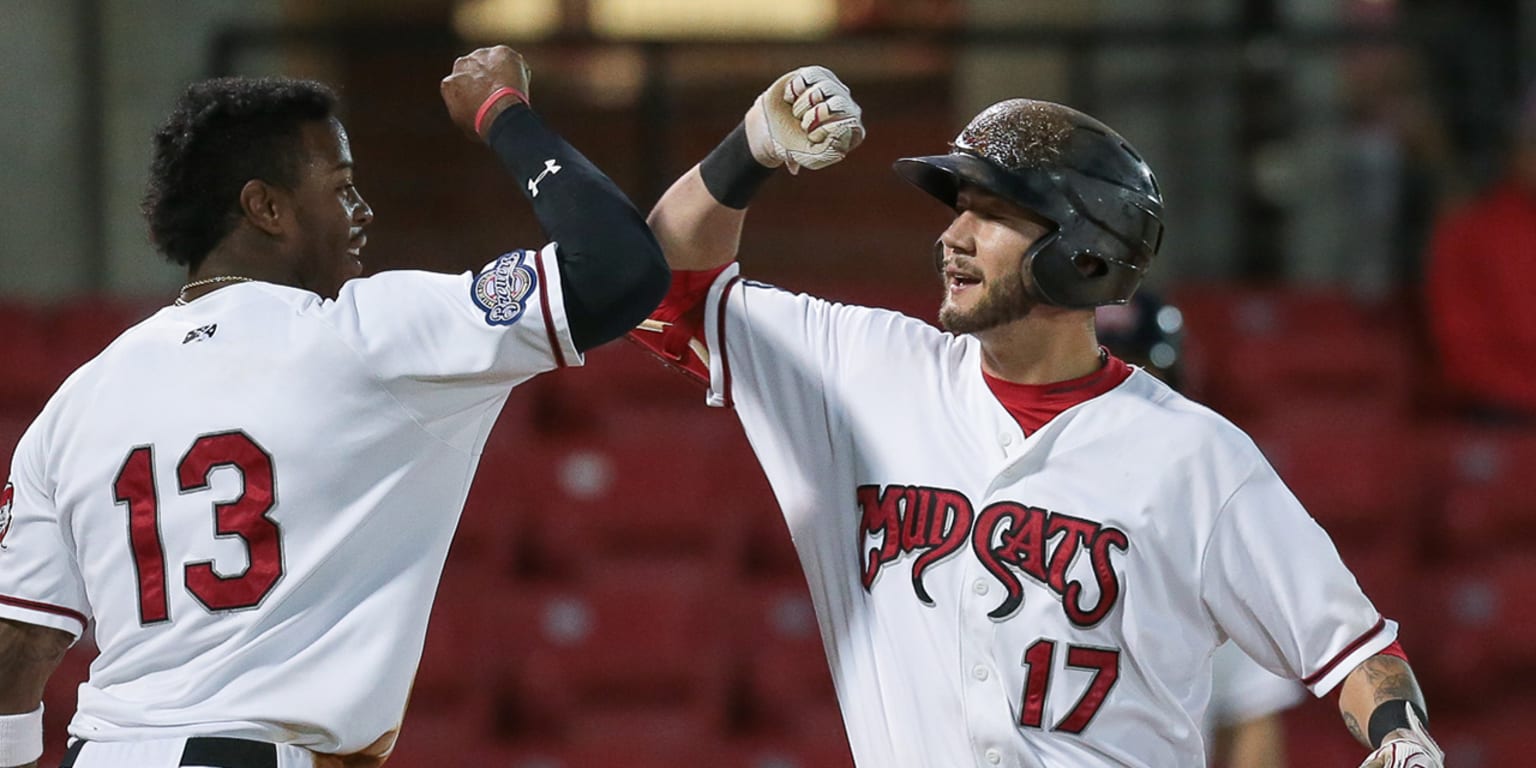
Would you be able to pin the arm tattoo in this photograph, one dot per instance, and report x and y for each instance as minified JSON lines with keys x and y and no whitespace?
{"x":1390,"y":679}
{"x":1354,"y":727}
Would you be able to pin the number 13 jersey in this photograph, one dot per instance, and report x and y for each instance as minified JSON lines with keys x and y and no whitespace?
{"x":252,"y":496}
{"x":988,"y":597}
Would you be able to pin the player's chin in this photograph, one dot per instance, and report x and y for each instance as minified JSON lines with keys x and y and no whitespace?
{"x":953,"y":318}
{"x":351,"y":264}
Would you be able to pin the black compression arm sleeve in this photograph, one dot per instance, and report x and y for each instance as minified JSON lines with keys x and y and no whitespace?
{"x":611,"y":267}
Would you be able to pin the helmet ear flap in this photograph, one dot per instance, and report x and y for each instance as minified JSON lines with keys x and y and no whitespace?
{"x":1030,"y":268}
{"x":1090,"y":266}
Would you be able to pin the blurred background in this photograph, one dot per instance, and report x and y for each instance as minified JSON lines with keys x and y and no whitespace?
{"x":1351,"y":242}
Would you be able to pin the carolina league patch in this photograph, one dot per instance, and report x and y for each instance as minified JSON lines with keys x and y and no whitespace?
{"x":502,"y":290}
{"x":6,"y":497}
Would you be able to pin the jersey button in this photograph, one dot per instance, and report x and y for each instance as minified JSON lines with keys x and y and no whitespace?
{"x":980,"y":672}
{"x":1006,"y":438}
{"x":994,"y":757}
{"x":980,"y":587}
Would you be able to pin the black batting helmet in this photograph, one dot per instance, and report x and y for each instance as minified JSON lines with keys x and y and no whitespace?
{"x":1075,"y":172}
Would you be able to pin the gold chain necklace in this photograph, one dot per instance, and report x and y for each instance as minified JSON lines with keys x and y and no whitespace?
{"x":181,"y":296}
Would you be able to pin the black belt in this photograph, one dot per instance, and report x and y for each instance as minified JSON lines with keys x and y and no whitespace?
{"x":214,"y":751}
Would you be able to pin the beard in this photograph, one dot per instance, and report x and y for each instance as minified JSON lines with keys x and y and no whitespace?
{"x":1003,"y":301}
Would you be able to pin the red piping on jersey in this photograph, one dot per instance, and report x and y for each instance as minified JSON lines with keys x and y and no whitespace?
{"x":1395,"y":649}
{"x":45,"y":608}
{"x":1310,"y":680}
{"x":725,"y":360}
{"x":549,"y":322}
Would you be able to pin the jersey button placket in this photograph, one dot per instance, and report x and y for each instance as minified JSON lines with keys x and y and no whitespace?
{"x":987,"y":705}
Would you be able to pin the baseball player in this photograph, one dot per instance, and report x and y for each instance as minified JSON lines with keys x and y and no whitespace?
{"x":1022,"y":552}
{"x":251,"y":494}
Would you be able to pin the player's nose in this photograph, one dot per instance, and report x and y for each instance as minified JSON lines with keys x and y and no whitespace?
{"x":362,"y":212}
{"x":956,"y":238}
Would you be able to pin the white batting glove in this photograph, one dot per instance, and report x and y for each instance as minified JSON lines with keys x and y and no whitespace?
{"x":1410,"y":748}
{"x":806,"y":119}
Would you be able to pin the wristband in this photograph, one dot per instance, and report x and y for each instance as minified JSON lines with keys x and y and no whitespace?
{"x":21,"y":737}
{"x":496,"y":95}
{"x":730,"y":172}
{"x":1390,"y":716}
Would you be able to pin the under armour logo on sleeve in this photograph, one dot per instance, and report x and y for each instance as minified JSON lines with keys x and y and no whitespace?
{"x":550,"y":167}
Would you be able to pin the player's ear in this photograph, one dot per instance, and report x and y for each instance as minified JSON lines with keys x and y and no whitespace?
{"x":263,"y":205}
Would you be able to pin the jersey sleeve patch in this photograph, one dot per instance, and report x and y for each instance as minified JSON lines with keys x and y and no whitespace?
{"x":7,"y":496}
{"x":502,"y":289}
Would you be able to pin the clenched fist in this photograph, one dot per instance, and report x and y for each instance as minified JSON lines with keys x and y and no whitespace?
{"x":807,"y":118}
{"x":475,"y":78}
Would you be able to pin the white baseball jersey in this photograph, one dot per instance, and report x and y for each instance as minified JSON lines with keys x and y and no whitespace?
{"x":252,"y":497}
{"x":992,"y":598}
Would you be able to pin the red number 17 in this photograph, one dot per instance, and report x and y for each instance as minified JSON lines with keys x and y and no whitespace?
{"x":1040,"y":659}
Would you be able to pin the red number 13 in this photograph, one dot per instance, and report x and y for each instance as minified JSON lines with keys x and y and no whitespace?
{"x":244,"y":518}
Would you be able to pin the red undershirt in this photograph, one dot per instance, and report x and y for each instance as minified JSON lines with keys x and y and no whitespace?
{"x":1032,"y":405}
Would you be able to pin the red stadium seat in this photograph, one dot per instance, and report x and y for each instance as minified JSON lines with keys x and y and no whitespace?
{"x":647,"y":489}
{"x":1385,"y":570}
{"x":59,"y":697}
{"x":618,"y":377}
{"x":12,"y":426}
{"x":452,"y":699}
{"x":630,"y":659}
{"x":793,"y":753}
{"x":521,"y":755}
{"x":1483,"y":634}
{"x":1496,"y":732}
{"x":490,"y":542}
{"x":1488,"y":500}
{"x":435,"y":730}
{"x":85,"y":326}
{"x":1359,"y":483}
{"x":786,"y":685}
{"x":31,"y":364}
{"x":1261,"y":350}
{"x":769,"y":551}
{"x":1315,"y":735}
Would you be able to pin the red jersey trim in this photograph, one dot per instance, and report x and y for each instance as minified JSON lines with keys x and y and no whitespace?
{"x":44,"y":608}
{"x":725,"y":359}
{"x":1310,"y":680}
{"x":1395,"y":649}
{"x":549,"y":315}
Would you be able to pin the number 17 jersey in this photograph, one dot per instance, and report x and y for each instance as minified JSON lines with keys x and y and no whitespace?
{"x":989,"y":597}
{"x":252,"y":496}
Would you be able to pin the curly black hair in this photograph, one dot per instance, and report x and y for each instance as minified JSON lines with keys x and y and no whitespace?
{"x":223,"y":133}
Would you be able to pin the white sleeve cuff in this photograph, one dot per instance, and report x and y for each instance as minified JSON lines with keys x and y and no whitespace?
{"x":1364,"y":647}
{"x":552,"y":297}
{"x":714,"y":337}
{"x":21,"y":737}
